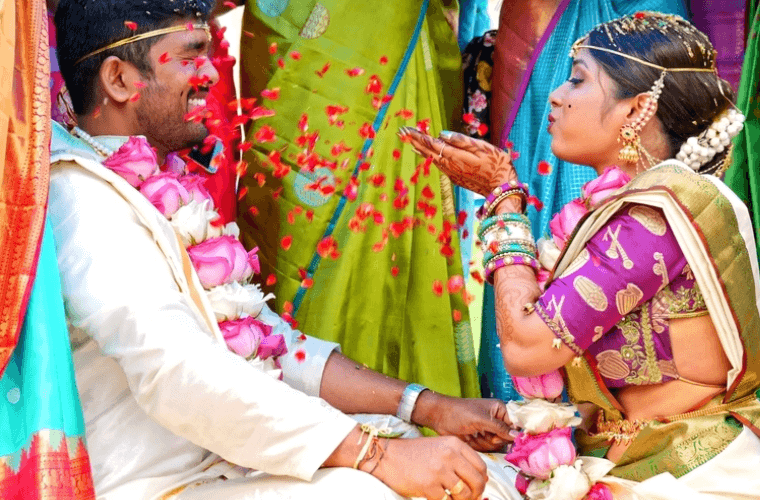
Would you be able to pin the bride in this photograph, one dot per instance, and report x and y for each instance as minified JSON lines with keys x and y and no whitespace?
{"x":645,"y":296}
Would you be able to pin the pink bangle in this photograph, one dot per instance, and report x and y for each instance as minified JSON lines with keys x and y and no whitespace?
{"x":509,"y":260}
{"x":501,"y":192}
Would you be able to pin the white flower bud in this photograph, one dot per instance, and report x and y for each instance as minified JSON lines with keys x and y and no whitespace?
{"x":233,"y":300}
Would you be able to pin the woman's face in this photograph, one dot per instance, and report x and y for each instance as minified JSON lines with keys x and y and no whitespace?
{"x":586,"y":117}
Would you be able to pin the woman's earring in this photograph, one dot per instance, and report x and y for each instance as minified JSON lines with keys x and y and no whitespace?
{"x":631,"y":142}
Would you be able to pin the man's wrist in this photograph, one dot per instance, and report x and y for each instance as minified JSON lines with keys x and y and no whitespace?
{"x":408,"y":401}
{"x":425,"y":409}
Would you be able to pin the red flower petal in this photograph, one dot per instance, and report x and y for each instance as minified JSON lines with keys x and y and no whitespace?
{"x":131,"y":25}
{"x":273,"y":48}
{"x":271,"y":280}
{"x":394,"y":271}
{"x":300,"y":355}
{"x":295,"y":55}
{"x":354,"y":72}
{"x":544,"y":167}
{"x":457,"y":315}
{"x":281,"y":62}
{"x":468,"y":118}
{"x":455,"y":284}
{"x":396,"y":154}
{"x":242,"y":193}
{"x":271,"y":94}
{"x":438,"y":287}
{"x":383,"y":60}
{"x":286,"y":241}
{"x":427,"y":192}
{"x":482,"y":129}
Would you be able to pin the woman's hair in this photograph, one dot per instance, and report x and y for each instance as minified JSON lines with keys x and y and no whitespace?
{"x":690,"y":100}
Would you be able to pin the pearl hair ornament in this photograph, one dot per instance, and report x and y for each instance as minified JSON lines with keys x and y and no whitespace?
{"x":698,"y":150}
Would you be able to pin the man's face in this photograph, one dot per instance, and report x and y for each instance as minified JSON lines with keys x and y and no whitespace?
{"x":175,"y":90}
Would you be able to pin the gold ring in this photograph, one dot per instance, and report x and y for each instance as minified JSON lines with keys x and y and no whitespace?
{"x":458,"y":488}
{"x":445,"y":496}
{"x":442,"y":148}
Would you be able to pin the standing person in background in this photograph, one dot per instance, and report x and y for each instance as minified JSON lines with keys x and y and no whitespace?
{"x":744,"y":175}
{"x":530,"y":60}
{"x":376,"y":226}
{"x":42,"y":450}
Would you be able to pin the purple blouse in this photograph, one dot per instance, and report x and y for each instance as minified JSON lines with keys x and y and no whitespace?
{"x":616,"y":298}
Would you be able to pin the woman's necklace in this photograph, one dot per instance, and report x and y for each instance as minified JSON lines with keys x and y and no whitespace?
{"x":94,"y":144}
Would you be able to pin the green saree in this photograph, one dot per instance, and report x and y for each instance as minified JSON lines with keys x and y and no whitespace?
{"x":377,"y":289}
{"x":713,"y":230}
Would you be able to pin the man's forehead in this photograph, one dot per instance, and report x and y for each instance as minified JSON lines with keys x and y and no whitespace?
{"x":195,"y":38}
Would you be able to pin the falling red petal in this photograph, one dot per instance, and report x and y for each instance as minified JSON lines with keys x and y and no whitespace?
{"x":354,"y":72}
{"x":134,"y":97}
{"x":281,"y":63}
{"x":286,"y":241}
{"x":406,"y":114}
{"x":271,"y":94}
{"x":482,"y":129}
{"x":438,"y":287}
{"x":468,"y":118}
{"x":324,"y":69}
{"x":394,"y":271}
{"x":424,"y":126}
{"x":455,"y":284}
{"x":384,"y":60}
{"x":428,"y":193}
{"x":307,"y":283}
{"x":457,"y":315}
{"x":271,"y":280}
{"x":254,"y":211}
{"x":515,"y":155}
{"x":273,"y":48}
{"x":544,"y":167}
{"x":300,"y":355}
{"x":477,"y":276}
{"x":242,"y":193}
{"x":131,"y":25}
{"x":265,"y":134}
{"x":396,"y":154}
{"x":535,"y":202}
{"x":303,"y":123}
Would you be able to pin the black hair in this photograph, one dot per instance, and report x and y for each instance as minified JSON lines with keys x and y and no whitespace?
{"x":690,"y":100}
{"x":84,"y":26}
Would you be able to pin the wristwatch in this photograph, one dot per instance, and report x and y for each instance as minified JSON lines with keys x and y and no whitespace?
{"x":408,"y":401}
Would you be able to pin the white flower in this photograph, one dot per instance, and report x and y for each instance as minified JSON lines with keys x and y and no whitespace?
{"x":536,"y":416}
{"x":231,"y":229}
{"x":266,"y":365}
{"x":548,"y":252}
{"x":193,"y":222}
{"x":233,"y":300}
{"x":568,"y":482}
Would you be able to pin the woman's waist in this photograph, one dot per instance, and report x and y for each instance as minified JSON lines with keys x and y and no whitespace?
{"x":654,"y":401}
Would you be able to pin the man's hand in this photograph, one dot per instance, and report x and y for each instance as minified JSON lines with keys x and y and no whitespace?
{"x":481,"y":423}
{"x":427,"y":467}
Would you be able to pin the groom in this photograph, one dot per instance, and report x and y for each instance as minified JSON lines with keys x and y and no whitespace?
{"x":168,"y":408}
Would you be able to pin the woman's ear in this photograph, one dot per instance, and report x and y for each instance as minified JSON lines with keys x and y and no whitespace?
{"x":116,"y":77}
{"x":639,"y":105}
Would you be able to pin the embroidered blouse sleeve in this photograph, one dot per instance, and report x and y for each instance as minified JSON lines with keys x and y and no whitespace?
{"x":623,"y":265}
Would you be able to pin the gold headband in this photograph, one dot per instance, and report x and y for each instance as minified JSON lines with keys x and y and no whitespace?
{"x":577,"y":46}
{"x":148,"y":34}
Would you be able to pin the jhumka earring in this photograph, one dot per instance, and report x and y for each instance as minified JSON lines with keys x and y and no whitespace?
{"x":629,"y":133}
{"x":631,"y":142}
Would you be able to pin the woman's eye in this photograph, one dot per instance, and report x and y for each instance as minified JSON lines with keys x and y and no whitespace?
{"x":575,"y":81}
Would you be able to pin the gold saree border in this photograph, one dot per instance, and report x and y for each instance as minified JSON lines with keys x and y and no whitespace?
{"x":24,"y":158}
{"x":681,"y":445}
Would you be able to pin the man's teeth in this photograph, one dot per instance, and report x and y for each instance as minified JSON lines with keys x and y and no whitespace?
{"x":196,"y":102}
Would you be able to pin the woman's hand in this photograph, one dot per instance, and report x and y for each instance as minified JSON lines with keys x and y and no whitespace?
{"x":427,"y":467}
{"x":481,"y":423}
{"x":471,"y":163}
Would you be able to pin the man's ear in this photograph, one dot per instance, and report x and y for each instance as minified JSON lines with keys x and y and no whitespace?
{"x":117,"y":79}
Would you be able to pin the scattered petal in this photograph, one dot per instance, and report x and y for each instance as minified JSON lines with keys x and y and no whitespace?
{"x":286,"y":241}
{"x":544,"y":167}
{"x":273,"y":48}
{"x":394,"y":271}
{"x":482,"y":129}
{"x":271,"y":94}
{"x":354,"y":72}
{"x":271,"y":280}
{"x":131,"y":25}
{"x":457,"y":315}
{"x":321,"y":73}
{"x":384,"y":60}
{"x":295,"y":55}
{"x":468,"y":118}
{"x":300,"y":355}
{"x":455,"y":284}
{"x":438,"y":287}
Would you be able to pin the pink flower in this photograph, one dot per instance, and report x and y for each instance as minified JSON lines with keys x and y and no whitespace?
{"x":546,"y":386}
{"x":599,"y":189}
{"x":196,"y":188}
{"x":222,"y":260}
{"x":521,"y":483}
{"x":174,"y":164}
{"x":248,"y":336}
{"x":135,"y":161}
{"x":599,"y":491}
{"x":165,"y":192}
{"x":563,"y":224}
{"x":538,"y":455}
{"x":253,"y":259}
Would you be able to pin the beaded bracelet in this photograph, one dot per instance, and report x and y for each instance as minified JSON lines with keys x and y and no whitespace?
{"x":499,"y":193}
{"x":526,"y":247}
{"x":502,"y":219}
{"x":505,"y":260}
{"x":510,"y":230}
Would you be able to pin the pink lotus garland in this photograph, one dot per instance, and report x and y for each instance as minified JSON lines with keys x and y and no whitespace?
{"x":537,"y":455}
{"x":223,"y":266}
